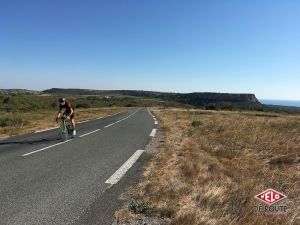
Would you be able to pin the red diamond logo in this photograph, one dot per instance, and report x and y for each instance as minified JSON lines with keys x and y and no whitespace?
{"x":270,"y":196}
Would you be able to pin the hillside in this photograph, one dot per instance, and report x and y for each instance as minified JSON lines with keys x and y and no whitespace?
{"x":195,"y":99}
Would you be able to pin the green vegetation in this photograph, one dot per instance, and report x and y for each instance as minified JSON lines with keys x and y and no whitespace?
{"x":14,"y":122}
{"x":30,"y":102}
{"x":26,"y":102}
{"x":138,"y":206}
{"x":196,"y":123}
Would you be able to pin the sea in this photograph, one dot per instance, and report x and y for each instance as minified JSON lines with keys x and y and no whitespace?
{"x":280,"y":102}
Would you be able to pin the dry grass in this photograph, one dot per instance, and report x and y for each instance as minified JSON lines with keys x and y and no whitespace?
{"x":124,"y":214}
{"x":213,"y":163}
{"x":25,"y":122}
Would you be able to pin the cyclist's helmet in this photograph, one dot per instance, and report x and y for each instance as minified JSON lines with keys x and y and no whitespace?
{"x":62,"y":99}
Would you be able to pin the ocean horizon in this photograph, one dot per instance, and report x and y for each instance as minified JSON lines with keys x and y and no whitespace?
{"x":295,"y":103}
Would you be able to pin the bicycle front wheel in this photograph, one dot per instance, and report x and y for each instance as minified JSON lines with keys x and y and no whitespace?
{"x":63,"y":132}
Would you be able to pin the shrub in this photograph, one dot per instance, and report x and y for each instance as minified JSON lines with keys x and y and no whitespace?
{"x":54,"y":105}
{"x":210,"y":107}
{"x":196,"y":123}
{"x":83,"y":105}
{"x":13,"y":122}
{"x":6,"y":100}
{"x":91,"y":98}
{"x":138,"y":206}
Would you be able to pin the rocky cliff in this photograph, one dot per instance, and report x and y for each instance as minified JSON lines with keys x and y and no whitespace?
{"x":200,"y":98}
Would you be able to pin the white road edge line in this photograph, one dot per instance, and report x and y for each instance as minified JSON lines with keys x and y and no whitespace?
{"x":151,"y":114}
{"x":42,"y":149}
{"x":155,"y":122}
{"x":153,"y":133}
{"x":50,"y":128}
{"x":124,"y":168}
{"x":4,"y":138}
{"x":89,"y":133}
{"x":83,"y":121}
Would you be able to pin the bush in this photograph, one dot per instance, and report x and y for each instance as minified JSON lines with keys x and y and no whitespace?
{"x":196,"y":123}
{"x":35,"y":106}
{"x":54,"y":105}
{"x":13,"y":122}
{"x":130,"y":105}
{"x":210,"y":107}
{"x":6,"y":100}
{"x":138,"y":206}
{"x":92,"y":98}
{"x":83,"y":105}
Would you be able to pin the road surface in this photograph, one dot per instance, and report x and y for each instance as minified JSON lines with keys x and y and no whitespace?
{"x":46,"y":181}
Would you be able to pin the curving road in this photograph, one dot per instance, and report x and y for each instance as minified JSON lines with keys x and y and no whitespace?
{"x":46,"y":181}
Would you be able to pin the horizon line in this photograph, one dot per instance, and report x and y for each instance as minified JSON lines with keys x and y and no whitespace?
{"x":259,"y":98}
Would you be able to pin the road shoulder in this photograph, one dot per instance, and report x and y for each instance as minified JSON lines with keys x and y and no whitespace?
{"x":122,"y":215}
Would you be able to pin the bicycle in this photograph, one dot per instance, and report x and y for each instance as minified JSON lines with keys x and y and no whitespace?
{"x":66,"y":129}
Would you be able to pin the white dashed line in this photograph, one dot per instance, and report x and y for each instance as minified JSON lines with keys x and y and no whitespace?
{"x":153,"y":133}
{"x":155,"y":122}
{"x":122,"y":119}
{"x":124,"y":168}
{"x":89,"y":133}
{"x":42,"y":149}
{"x":51,"y":128}
{"x":109,"y":125}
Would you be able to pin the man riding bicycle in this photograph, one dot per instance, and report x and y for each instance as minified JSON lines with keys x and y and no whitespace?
{"x":69,"y":112}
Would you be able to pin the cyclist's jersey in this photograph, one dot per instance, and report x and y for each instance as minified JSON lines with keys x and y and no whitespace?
{"x":67,"y":106}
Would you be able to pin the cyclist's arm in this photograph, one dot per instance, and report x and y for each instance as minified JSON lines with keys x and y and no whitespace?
{"x":71,"y":112}
{"x":59,"y":113}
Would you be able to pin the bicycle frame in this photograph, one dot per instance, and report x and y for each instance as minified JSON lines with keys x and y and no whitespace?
{"x":63,"y":125}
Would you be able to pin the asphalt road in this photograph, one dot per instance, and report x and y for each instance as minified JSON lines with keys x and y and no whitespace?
{"x":46,"y":181}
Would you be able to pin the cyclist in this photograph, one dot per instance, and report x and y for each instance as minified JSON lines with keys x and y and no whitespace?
{"x":69,"y":111}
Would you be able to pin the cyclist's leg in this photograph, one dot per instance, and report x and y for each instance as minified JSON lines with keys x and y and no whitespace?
{"x":72,"y":120}
{"x":73,"y":123}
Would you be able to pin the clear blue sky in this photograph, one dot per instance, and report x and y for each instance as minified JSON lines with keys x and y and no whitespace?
{"x":163,"y":45}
